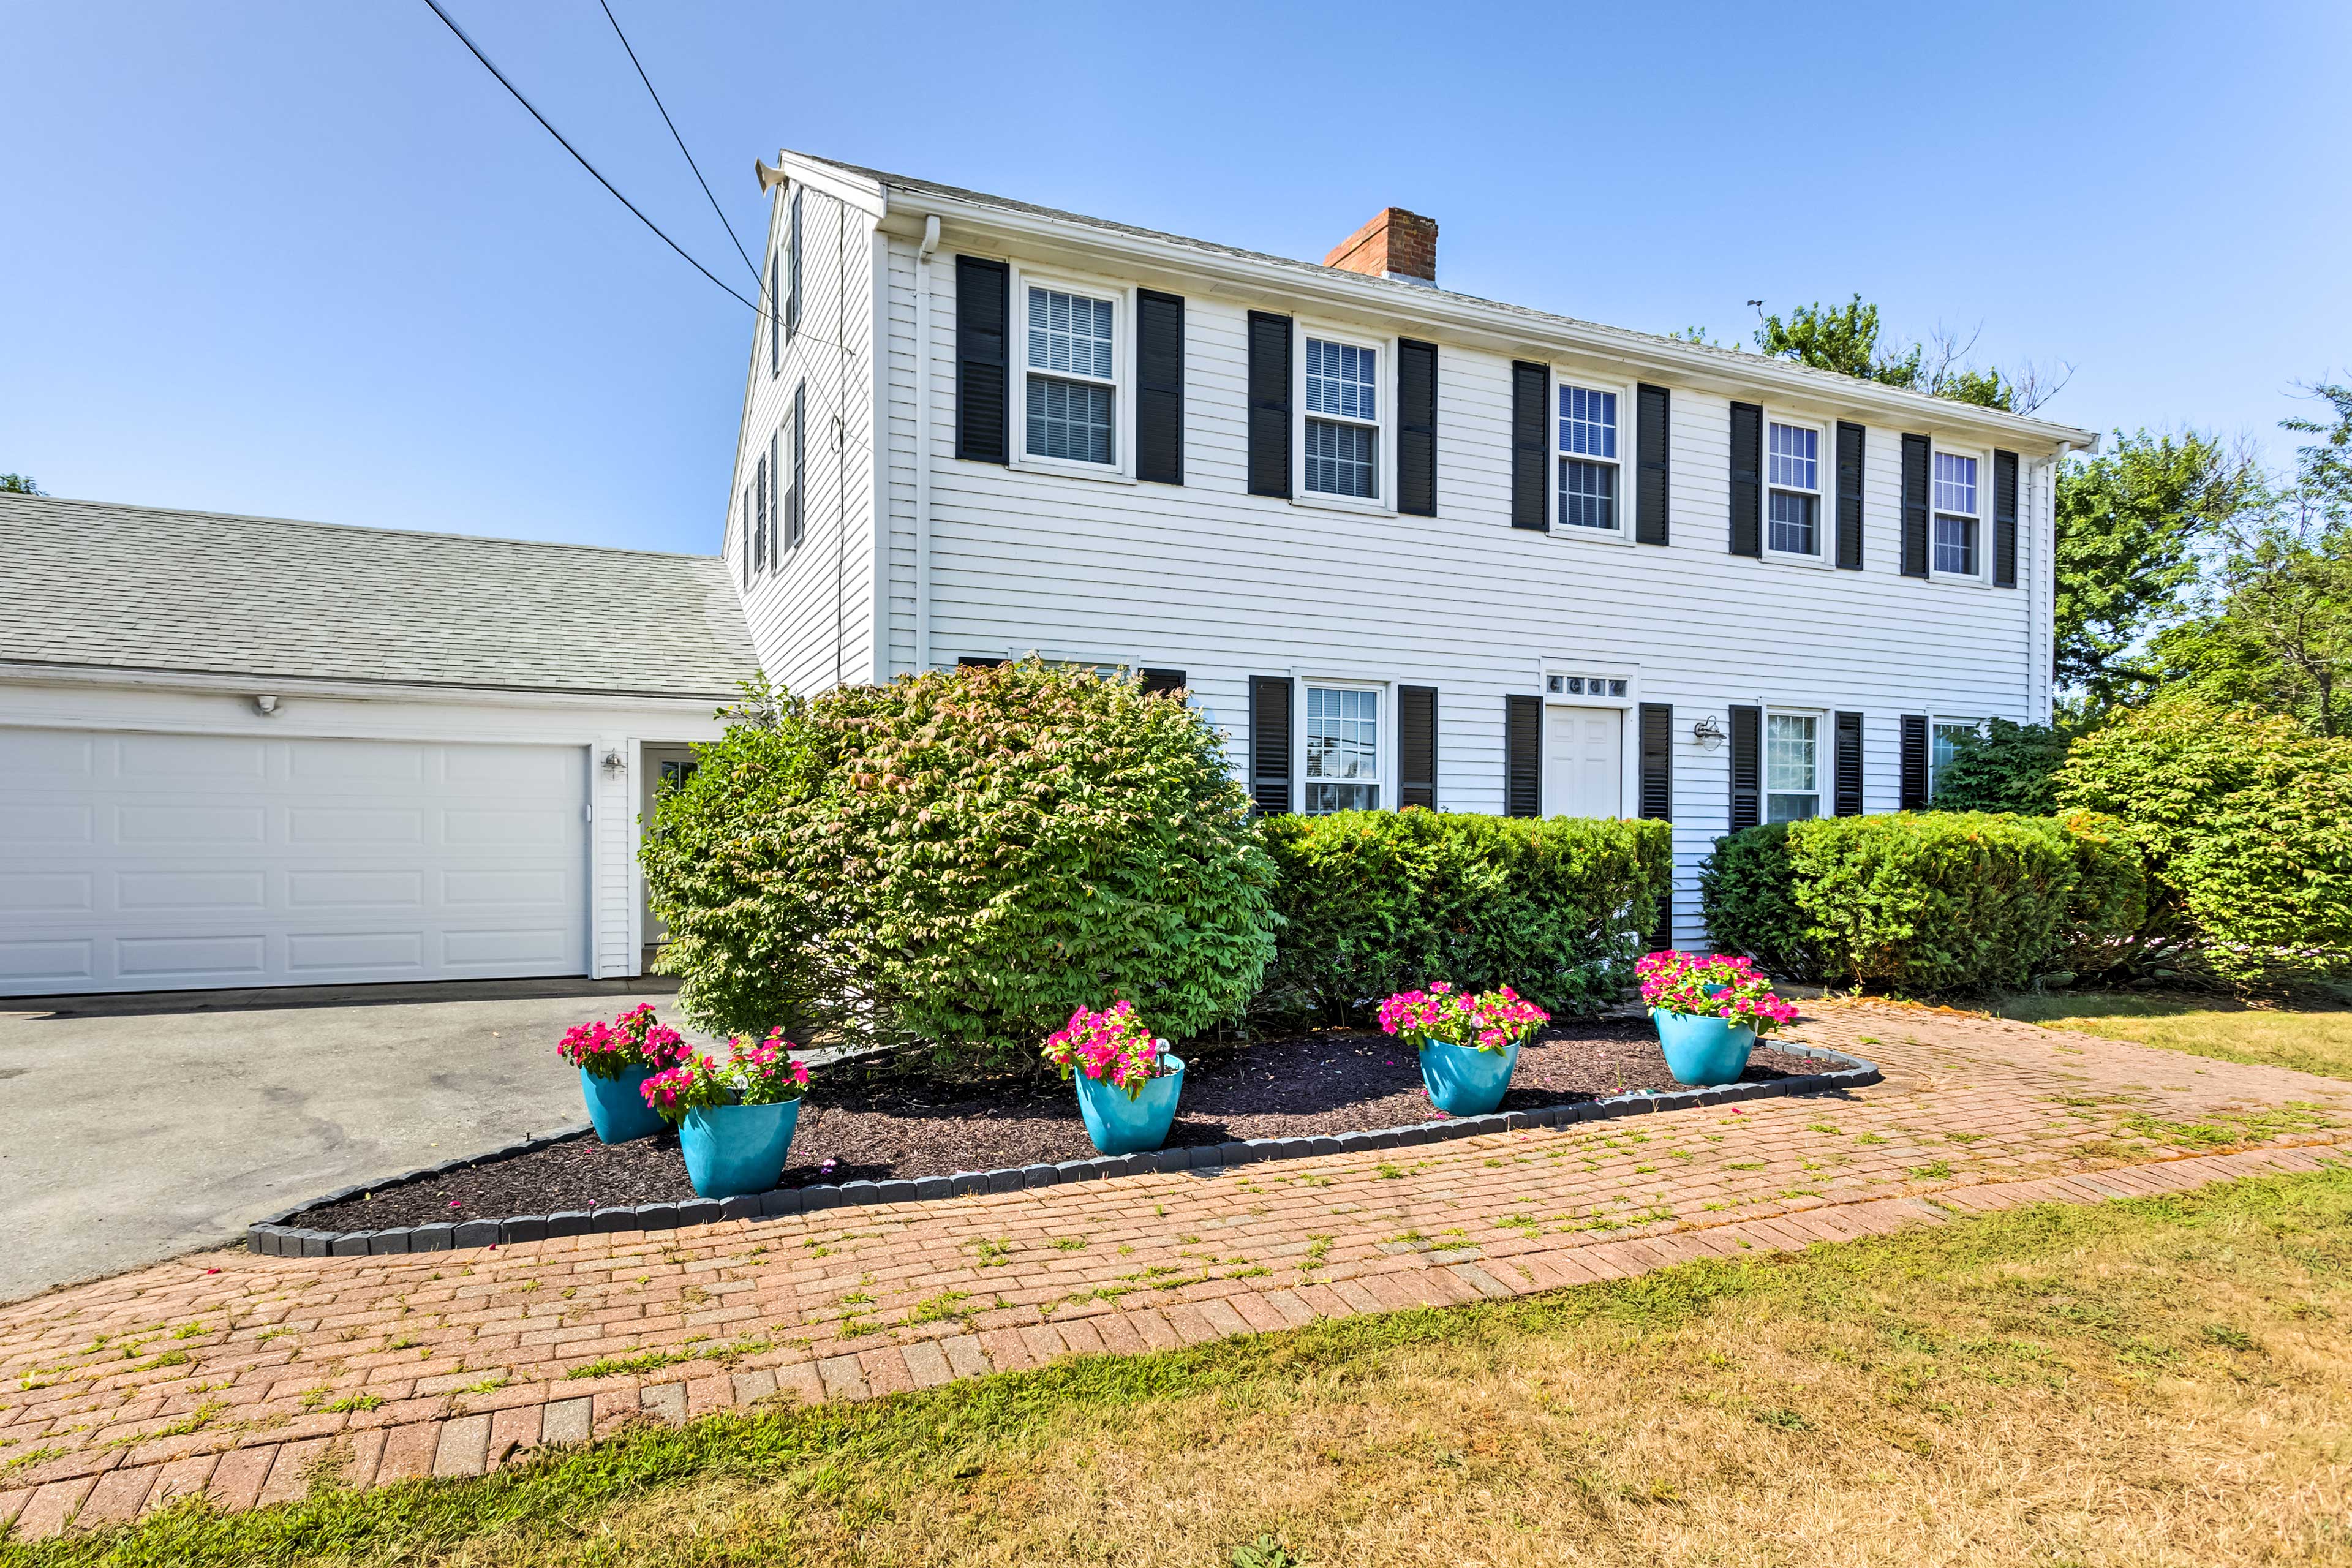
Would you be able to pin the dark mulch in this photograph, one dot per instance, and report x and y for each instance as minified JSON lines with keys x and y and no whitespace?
{"x":873,"y":1123}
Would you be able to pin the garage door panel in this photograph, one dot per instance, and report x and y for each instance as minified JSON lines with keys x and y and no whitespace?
{"x":190,"y":827}
{"x":35,"y":824}
{"x":342,"y":825}
{"x":136,"y":861}
{"x":214,"y":958}
{"x":355,"y":889}
{"x":137,"y":890}
{"x":191,"y":757}
{"x":30,"y":967}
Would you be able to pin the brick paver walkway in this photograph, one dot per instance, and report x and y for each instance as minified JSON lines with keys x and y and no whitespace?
{"x":255,"y":1378}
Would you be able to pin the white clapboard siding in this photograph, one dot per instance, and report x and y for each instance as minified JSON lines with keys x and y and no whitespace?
{"x":1208,"y":578}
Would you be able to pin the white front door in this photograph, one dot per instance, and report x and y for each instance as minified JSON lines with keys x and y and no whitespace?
{"x":137,"y":862}
{"x":1582,"y":774}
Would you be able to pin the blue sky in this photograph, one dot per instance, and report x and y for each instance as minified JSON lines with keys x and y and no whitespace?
{"x":310,"y":260}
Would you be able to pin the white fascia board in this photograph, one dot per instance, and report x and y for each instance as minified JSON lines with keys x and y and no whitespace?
{"x":1483,"y":324}
{"x":23,"y":673}
{"x":868,"y":196}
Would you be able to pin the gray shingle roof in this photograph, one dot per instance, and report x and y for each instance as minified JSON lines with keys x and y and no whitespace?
{"x":93,"y":584}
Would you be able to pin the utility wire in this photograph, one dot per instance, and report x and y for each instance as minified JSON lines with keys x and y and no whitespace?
{"x":680,"y":141}
{"x":584,"y":163}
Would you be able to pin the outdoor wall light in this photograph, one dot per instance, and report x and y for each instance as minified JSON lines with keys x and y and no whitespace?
{"x":615,"y":762}
{"x":1707,"y":733}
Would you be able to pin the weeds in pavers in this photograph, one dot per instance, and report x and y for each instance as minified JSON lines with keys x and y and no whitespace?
{"x":31,"y":1456}
{"x":654,"y":1360}
{"x":2229,"y":1128}
{"x":947,"y":1306}
{"x":2031,"y":1424}
{"x":322,"y":1399}
{"x":1933,"y":1171}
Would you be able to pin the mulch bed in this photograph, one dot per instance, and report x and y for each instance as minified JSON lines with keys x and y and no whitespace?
{"x":884,"y":1121}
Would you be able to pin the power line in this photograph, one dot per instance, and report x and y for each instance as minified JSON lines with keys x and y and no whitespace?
{"x":680,"y":141}
{"x":584,"y":163}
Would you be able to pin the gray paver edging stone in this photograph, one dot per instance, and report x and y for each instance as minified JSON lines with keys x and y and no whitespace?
{"x":281,"y":1235}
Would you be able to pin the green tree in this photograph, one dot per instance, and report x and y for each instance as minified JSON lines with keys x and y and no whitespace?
{"x":19,"y":485}
{"x":1842,"y":338}
{"x":2130,"y":522}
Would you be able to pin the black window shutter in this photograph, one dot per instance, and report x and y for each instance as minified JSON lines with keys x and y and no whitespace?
{"x":775,"y":313}
{"x":1417,"y":746}
{"x":746,"y":539}
{"x":982,"y":304}
{"x":1653,"y":443}
{"x":1269,"y":719}
{"x":1747,"y":479}
{"x":1269,"y":418}
{"x":760,"y":516}
{"x":1416,"y":429}
{"x":1158,"y":387}
{"x":2004,"y":520}
{"x":1915,"y":507}
{"x":792,"y":266}
{"x":1914,"y":762}
{"x":775,"y":497}
{"x":800,"y":464}
{"x":1849,"y":495}
{"x":1657,"y":719}
{"x":1746,"y":767}
{"x":1529,"y":422}
{"x":1522,"y":756}
{"x":1161,"y":682}
{"x":1849,"y":764}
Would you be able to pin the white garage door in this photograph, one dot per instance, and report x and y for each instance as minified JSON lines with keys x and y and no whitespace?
{"x":135,"y":862}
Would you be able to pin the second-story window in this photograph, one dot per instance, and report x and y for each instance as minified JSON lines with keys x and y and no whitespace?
{"x":1342,"y":419}
{"x":1955,"y":514}
{"x":1072,"y":377}
{"x":1792,"y":465}
{"x":1588,"y":458}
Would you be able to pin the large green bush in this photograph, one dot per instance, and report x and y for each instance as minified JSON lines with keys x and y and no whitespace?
{"x":2012,"y":767}
{"x":963,"y":857}
{"x":1378,"y":902}
{"x":2246,"y":823}
{"x":1923,"y":901}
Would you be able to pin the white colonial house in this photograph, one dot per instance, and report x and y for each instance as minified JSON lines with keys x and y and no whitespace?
{"x":1405,"y":547}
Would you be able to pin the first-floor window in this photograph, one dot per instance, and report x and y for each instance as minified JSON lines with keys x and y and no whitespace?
{"x":1791,"y":767}
{"x":1342,"y":749}
{"x":1342,"y":419}
{"x":1947,"y":740}
{"x":1955,"y":514}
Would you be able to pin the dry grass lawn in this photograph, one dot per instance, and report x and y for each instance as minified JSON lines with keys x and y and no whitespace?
{"x":2152,"y":1382}
{"x":2312,"y":1041}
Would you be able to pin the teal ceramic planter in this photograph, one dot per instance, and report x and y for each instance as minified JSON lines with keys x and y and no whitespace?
{"x":1122,"y":1126}
{"x":1465,"y":1080}
{"x":1701,"y":1051}
{"x":731,"y":1149}
{"x":617,"y":1106}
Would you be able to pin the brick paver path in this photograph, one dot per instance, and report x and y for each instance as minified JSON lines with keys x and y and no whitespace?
{"x":255,"y":1378}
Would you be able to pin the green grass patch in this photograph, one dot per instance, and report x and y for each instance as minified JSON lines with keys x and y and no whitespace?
{"x":2307,"y":1039}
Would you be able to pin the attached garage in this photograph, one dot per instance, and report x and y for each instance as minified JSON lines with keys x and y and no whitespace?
{"x":287,"y":793}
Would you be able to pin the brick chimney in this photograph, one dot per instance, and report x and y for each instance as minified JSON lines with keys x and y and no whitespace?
{"x":1397,"y":244}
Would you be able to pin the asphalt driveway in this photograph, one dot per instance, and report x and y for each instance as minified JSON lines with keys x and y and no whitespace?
{"x":137,"y":1128}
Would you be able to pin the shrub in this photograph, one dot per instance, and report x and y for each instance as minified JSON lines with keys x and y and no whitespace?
{"x":2011,"y":768}
{"x":1922,"y":901}
{"x":2246,"y":823}
{"x":965,"y":857}
{"x":1375,"y":902}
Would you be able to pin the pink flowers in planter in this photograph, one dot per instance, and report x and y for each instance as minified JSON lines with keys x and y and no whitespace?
{"x":1493,"y":1021}
{"x":760,"y":1074}
{"x":1712,"y":985}
{"x":1110,"y":1047}
{"x":631,"y":1041}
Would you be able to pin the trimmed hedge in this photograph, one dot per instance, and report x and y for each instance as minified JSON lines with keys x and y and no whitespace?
{"x":1374,"y":902}
{"x":1925,"y":901}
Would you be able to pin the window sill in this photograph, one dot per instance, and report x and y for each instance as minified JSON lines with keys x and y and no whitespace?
{"x":1097,"y":472}
{"x":1591,"y":535}
{"x":1959,"y":580}
{"x":1361,"y":506}
{"x":1791,"y":558}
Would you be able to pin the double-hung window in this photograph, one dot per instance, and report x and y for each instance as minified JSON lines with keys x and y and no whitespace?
{"x":1073,"y":379}
{"x":1588,"y":458}
{"x":1946,"y":739}
{"x":1793,"y":773}
{"x":1343,"y":755}
{"x":1955,"y":514}
{"x":1792,"y":477}
{"x":1343,"y":434}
